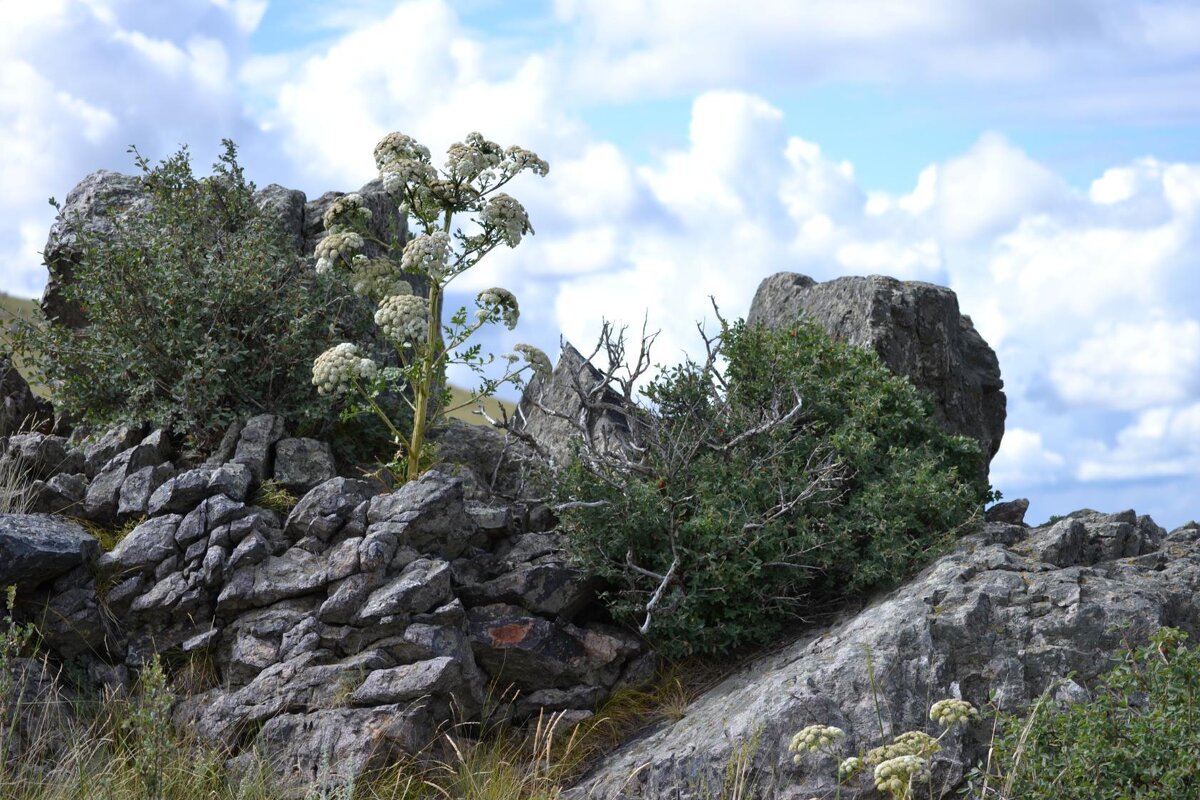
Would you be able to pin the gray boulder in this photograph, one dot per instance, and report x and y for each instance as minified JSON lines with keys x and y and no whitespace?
{"x":40,"y":455}
{"x":552,"y":414}
{"x":94,"y":204}
{"x":1010,"y":612}
{"x":97,"y":454}
{"x":916,"y":329}
{"x":182,"y":492}
{"x":255,"y":447}
{"x":20,"y":408}
{"x":35,"y":548}
{"x":301,"y":464}
{"x":62,"y":494}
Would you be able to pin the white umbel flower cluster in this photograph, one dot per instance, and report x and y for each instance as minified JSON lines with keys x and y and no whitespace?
{"x":536,"y":359}
{"x":468,"y":160}
{"x":896,"y":775}
{"x":402,"y":160}
{"x":377,"y":278}
{"x":506,"y":215}
{"x":404,"y":318}
{"x":815,"y":738}
{"x":950,"y":712}
{"x":518,"y":158}
{"x":849,"y":768}
{"x":427,"y":254}
{"x":340,"y":244}
{"x":345,"y":210}
{"x":336,"y":369}
{"x":498,"y":300}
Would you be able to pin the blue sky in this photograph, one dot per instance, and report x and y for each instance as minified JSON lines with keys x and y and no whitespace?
{"x":1041,"y":159}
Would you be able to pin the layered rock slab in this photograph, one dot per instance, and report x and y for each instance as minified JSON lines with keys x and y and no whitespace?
{"x":916,"y":329}
{"x":1011,"y":611}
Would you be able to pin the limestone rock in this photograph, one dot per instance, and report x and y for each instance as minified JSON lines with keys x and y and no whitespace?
{"x":20,"y":408}
{"x":301,"y":464}
{"x":328,"y":508}
{"x":255,"y":447}
{"x":114,"y":441}
{"x":427,"y":514}
{"x":545,"y":403}
{"x":185,"y":490}
{"x":35,"y":548}
{"x":1011,"y":611}
{"x":94,"y":204}
{"x":916,"y":329}
{"x":1010,"y":513}
{"x":62,"y":494}
{"x":41,"y":455}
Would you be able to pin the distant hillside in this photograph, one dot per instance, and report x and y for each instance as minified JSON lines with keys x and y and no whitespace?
{"x":12,"y":308}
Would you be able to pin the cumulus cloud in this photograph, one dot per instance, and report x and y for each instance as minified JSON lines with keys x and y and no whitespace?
{"x":656,"y":47}
{"x":1130,"y":366}
{"x":1161,"y":442}
{"x":82,"y":79}
{"x":1025,"y":460}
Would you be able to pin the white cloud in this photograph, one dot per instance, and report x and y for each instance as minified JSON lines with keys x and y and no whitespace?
{"x":1129,"y":366}
{"x":1161,"y":443}
{"x":1024,"y":459}
{"x":1069,"y":52}
{"x":79,"y":81}
{"x":436,"y":86}
{"x":988,"y":190}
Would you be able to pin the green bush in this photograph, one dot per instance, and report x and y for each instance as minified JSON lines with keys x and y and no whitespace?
{"x":199,"y":312}
{"x":1138,"y":738}
{"x":737,"y":513}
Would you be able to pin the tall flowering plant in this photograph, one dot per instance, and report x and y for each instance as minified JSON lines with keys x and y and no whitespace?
{"x":474,"y":171}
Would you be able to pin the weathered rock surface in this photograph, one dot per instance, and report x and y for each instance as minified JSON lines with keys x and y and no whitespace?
{"x":94,"y":203}
{"x":1011,"y":610}
{"x":301,"y":464}
{"x":916,"y":329}
{"x":20,"y":408}
{"x":39,"y":547}
{"x":552,"y":414}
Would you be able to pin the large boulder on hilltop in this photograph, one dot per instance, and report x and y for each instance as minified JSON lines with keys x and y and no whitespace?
{"x":1009,"y":613}
{"x":554,"y":415}
{"x":918,"y":332}
{"x":95,"y":202}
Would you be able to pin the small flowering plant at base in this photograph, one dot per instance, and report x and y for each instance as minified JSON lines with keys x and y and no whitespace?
{"x":425,"y":346}
{"x":896,"y":768}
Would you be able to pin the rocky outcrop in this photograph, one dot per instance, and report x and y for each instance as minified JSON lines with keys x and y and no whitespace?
{"x":352,"y":628}
{"x":554,"y":415}
{"x":916,"y":329}
{"x":94,"y":204}
{"x":1011,"y":611}
{"x":20,"y":409}
{"x":104,"y":196}
{"x":39,"y":547}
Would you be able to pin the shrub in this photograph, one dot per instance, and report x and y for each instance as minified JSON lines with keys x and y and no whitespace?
{"x":733,"y":512}
{"x":198,"y":311}
{"x":1138,"y":737}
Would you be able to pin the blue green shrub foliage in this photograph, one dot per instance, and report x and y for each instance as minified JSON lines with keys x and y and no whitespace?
{"x":1138,"y":737}
{"x":198,"y":311}
{"x":739,"y":523}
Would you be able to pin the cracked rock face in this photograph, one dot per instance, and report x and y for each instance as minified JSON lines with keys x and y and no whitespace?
{"x":916,"y":329}
{"x":1012,"y":610}
{"x":346,"y":632}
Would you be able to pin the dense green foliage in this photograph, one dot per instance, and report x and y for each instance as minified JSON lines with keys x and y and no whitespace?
{"x":199,"y":312}
{"x":1138,"y":738}
{"x":855,"y":491}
